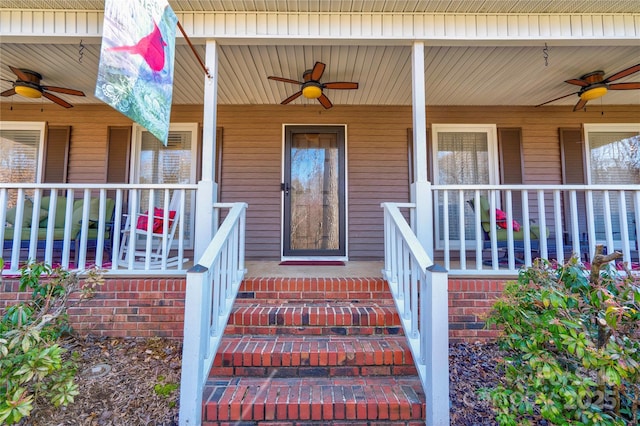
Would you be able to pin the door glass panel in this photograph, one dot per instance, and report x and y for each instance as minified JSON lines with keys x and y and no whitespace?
{"x":315,"y":215}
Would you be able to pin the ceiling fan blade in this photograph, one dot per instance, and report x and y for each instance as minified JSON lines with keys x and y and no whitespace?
{"x":325,"y":101}
{"x":18,"y":72}
{"x":625,"y":86}
{"x":57,"y":100}
{"x":285,"y":80}
{"x":557,"y":99}
{"x":63,"y":90}
{"x":9,"y":92}
{"x":317,"y":71}
{"x":340,"y":85}
{"x":581,"y":104}
{"x":577,"y":82}
{"x":623,"y":73}
{"x":292,"y":98}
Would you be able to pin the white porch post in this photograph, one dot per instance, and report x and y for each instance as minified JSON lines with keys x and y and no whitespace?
{"x":420,"y":187}
{"x":208,"y":188}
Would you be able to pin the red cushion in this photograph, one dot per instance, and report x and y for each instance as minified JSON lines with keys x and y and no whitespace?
{"x":501,"y":221}
{"x":158,"y":216}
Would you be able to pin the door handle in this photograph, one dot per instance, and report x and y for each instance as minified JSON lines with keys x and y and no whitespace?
{"x":285,"y":187}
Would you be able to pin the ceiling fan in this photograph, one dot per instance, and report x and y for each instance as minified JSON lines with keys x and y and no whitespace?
{"x":28,"y":85}
{"x":312,"y":88}
{"x":593,"y":85}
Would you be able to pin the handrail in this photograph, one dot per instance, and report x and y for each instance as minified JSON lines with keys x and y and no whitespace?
{"x":212,"y":286}
{"x":420,"y":292}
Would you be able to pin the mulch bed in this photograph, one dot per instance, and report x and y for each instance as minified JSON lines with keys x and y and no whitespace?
{"x":136,"y":382}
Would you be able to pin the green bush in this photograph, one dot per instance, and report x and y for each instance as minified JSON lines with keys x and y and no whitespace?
{"x":573,"y":344}
{"x":32,"y":365}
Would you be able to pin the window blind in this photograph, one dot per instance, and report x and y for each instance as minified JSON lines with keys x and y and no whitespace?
{"x":19,"y":155}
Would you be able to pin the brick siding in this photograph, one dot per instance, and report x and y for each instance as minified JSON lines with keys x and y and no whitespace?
{"x":138,"y":307}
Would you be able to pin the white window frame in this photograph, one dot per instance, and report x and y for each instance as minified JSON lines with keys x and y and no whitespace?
{"x":604,"y":127}
{"x":134,"y":169}
{"x":41,"y":126}
{"x":491,"y":131}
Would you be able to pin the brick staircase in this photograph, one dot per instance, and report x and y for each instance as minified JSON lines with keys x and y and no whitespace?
{"x":313,"y":351}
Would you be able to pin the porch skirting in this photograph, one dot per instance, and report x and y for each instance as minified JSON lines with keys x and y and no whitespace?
{"x":133,"y":307}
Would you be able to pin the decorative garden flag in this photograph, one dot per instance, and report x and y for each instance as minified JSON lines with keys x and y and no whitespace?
{"x":136,"y":62}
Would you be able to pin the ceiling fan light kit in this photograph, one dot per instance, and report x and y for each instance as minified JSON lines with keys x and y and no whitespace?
{"x":593,"y":93}
{"x":311,"y":88}
{"x":28,"y":91}
{"x":593,"y":86}
{"x":28,"y":85}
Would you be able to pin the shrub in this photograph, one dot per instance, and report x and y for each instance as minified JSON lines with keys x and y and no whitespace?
{"x":32,"y":365}
{"x":573,"y":340}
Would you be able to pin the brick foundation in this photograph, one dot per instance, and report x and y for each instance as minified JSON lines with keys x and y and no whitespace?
{"x":138,"y":307}
{"x":469,"y":302}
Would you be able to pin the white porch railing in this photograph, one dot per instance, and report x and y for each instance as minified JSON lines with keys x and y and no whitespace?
{"x":212,"y":286}
{"x":420,"y":292}
{"x":79,"y":225}
{"x":556,"y":222}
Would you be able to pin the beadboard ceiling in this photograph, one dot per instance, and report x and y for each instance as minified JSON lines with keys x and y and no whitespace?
{"x":511,"y":74}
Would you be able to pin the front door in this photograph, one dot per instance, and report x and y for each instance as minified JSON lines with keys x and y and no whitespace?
{"x":314,"y":191}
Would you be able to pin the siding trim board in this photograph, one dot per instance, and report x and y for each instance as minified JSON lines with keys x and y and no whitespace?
{"x":303,"y":27}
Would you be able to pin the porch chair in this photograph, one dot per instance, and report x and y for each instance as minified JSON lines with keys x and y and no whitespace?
{"x":136,"y":230}
{"x":501,"y":231}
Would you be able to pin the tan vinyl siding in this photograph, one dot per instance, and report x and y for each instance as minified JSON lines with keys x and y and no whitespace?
{"x":377,"y":164}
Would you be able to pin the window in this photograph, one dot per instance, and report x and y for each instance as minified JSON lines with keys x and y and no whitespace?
{"x":154,"y":163}
{"x":21,"y":151}
{"x":613,"y":158}
{"x":464,"y":154}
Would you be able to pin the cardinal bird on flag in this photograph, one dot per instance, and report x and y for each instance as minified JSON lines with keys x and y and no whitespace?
{"x":135,"y":75}
{"x":150,"y":47}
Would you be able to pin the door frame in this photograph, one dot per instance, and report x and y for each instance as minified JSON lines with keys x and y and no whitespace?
{"x":344,"y":211}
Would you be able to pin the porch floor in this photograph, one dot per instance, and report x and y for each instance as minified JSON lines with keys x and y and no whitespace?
{"x":351,"y":269}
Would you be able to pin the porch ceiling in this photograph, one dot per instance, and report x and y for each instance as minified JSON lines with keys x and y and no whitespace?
{"x":455,"y":75}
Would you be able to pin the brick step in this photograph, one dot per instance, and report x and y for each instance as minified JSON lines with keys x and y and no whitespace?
{"x":314,"y":318}
{"x":320,"y":400}
{"x":310,"y":356}
{"x":313,"y":288}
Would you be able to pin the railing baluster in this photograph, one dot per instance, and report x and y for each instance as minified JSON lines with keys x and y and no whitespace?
{"x":493,"y":230}
{"x":526,"y":225}
{"x":591,"y":227}
{"x":624,"y":226}
{"x":510,"y":242}
{"x":608,"y":227}
{"x":542,"y":218}
{"x":558,"y":224}
{"x":463,"y":237}
{"x":445,"y":226}
{"x":575,"y":230}
{"x":479,"y":230}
